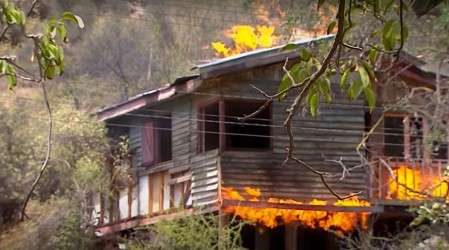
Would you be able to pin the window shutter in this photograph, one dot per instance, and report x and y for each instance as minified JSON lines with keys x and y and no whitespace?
{"x":147,"y":143}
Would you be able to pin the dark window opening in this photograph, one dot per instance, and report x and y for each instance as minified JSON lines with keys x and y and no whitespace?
{"x":416,"y":137}
{"x":439,"y":149}
{"x":394,"y":136}
{"x":164,"y":132}
{"x":157,"y":140}
{"x":254,"y":133}
{"x":211,"y":133}
{"x":439,"y":144}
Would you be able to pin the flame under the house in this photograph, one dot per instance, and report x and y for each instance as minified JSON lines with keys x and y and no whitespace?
{"x":417,"y":184}
{"x":271,"y":217}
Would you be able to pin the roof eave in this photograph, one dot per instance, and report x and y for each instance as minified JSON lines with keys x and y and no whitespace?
{"x":147,"y":98}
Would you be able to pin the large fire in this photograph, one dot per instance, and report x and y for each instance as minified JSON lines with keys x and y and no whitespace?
{"x":271,"y":217}
{"x":246,"y":38}
{"x":416,"y":184}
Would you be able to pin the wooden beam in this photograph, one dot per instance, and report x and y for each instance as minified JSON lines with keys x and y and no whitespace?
{"x":179,"y":179}
{"x":328,"y":208}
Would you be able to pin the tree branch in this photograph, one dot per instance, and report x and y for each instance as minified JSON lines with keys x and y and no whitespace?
{"x":47,"y":155}
{"x":310,"y":81}
{"x":42,"y":81}
{"x":2,"y":35}
{"x":322,"y":176}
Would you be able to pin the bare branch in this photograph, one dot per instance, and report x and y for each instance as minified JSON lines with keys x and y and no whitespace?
{"x":44,"y":166}
{"x":349,"y":46}
{"x":47,"y":155}
{"x":21,"y":77}
{"x":322,"y":176}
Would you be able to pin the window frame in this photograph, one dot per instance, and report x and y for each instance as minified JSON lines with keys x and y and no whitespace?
{"x":155,"y":139}
{"x":222,"y":124}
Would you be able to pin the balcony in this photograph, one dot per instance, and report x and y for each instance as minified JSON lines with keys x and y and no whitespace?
{"x":399,"y":181}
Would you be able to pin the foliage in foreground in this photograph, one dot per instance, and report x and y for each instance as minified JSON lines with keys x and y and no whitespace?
{"x":195,"y":232}
{"x":75,"y":170}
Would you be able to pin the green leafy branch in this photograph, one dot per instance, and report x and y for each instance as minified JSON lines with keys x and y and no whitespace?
{"x":49,"y":54}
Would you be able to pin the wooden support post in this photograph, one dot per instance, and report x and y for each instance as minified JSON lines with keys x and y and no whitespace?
{"x":262,"y":239}
{"x":331,"y":244}
{"x":291,"y":236}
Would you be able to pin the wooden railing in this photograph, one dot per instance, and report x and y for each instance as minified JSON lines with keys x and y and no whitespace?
{"x":398,"y":179}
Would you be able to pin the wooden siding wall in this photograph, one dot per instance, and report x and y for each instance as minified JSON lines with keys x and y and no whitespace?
{"x":158,"y":186}
{"x":135,"y":143}
{"x":205,"y":184}
{"x":335,"y":133}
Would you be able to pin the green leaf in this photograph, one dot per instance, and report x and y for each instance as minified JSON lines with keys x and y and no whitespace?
{"x":331,"y":27}
{"x":377,"y":6}
{"x":290,"y":46}
{"x":74,"y":18}
{"x":10,"y":77}
{"x":320,"y":3}
{"x":313,"y":103}
{"x":50,"y":72}
{"x":296,"y":74}
{"x":345,"y":78}
{"x":369,"y":69}
{"x":373,"y":55}
{"x":62,"y":32}
{"x":285,"y":83}
{"x":387,"y":36}
{"x":305,"y":54}
{"x":370,"y":97}
{"x":388,"y":6}
{"x":364,"y":77}
{"x":324,"y":85}
{"x":355,"y":89}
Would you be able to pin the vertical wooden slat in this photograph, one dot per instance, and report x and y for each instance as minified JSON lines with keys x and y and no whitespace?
{"x":262,"y":239}
{"x":130,"y":200}
{"x":290,"y":237}
{"x":161,"y":191}
{"x":148,"y":156}
{"x":150,"y":194}
{"x":407,"y":148}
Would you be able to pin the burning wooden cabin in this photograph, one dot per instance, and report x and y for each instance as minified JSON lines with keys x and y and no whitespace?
{"x":190,"y":150}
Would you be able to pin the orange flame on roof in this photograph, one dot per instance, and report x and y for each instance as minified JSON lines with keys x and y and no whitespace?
{"x":416,"y":184}
{"x":270,"y":217}
{"x":246,"y":38}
